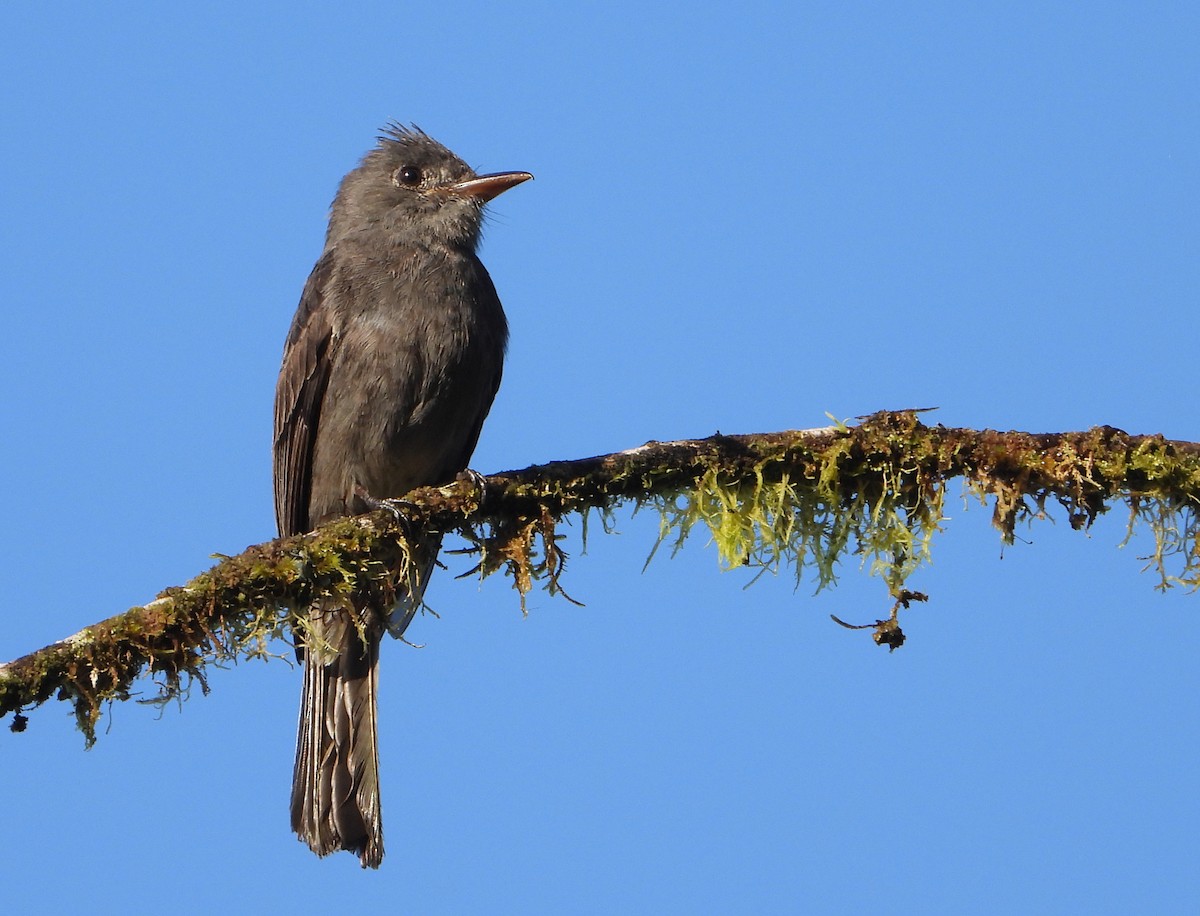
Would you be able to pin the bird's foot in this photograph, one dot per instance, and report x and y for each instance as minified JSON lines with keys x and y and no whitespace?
{"x":470,"y":475}
{"x":399,"y":508}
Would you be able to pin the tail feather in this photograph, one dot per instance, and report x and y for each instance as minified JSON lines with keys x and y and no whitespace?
{"x":335,"y":783}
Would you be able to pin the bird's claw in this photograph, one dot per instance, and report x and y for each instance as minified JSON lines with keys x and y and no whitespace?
{"x":398,"y":508}
{"x":475,"y":478}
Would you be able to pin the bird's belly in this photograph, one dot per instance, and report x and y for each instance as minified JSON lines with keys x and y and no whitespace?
{"x":405,"y":429}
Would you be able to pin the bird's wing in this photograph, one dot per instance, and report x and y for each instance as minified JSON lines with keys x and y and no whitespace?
{"x":308,"y":359}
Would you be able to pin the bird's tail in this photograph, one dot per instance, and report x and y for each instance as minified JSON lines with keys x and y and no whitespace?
{"x":335,"y":784}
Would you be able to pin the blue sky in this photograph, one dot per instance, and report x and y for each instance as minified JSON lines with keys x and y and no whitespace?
{"x":744,"y":217}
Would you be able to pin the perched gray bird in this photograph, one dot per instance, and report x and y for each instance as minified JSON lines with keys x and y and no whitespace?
{"x":390,"y":366}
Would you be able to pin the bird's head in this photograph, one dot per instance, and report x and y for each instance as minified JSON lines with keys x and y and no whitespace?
{"x":414,"y":189}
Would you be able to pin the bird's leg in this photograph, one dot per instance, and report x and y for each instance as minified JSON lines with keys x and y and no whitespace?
{"x":472,"y":476}
{"x":397,"y":507}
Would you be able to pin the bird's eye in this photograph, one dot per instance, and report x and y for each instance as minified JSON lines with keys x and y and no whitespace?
{"x":409,"y":176}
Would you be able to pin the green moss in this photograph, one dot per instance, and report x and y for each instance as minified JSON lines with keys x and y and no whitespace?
{"x":862,"y":495}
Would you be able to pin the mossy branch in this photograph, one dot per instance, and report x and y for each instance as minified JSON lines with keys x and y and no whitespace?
{"x":802,"y":499}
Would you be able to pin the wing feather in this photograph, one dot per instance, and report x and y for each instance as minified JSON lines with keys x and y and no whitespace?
{"x":308,"y":358}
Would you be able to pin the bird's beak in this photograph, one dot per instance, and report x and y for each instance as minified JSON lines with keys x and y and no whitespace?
{"x":485,"y":187}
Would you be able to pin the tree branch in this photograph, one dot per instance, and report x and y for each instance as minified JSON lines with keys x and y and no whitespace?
{"x":800,"y":498}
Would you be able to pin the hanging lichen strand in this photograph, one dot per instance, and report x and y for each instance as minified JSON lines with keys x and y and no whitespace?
{"x":877,"y":491}
{"x":801,"y":498}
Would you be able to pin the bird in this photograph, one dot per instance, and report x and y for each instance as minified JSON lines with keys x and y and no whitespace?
{"x":390,"y":366}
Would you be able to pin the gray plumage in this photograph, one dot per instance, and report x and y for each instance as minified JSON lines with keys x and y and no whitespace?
{"x":390,"y":367}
